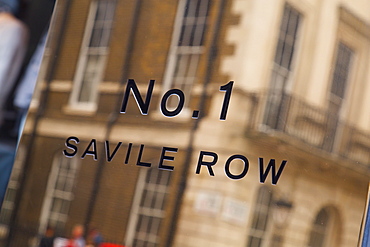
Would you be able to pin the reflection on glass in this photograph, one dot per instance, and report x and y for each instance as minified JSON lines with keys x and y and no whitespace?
{"x":261,"y":217}
{"x":94,"y":50}
{"x":282,"y":70}
{"x":59,"y":194}
{"x":151,"y":210}
{"x":326,"y":229}
{"x":187,"y":46}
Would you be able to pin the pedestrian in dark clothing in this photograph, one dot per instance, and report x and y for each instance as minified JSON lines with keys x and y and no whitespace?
{"x":48,"y":239}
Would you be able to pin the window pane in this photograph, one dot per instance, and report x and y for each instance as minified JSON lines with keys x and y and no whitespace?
{"x":151,"y":211}
{"x":261,"y":216}
{"x":59,"y":193}
{"x":341,"y":70}
{"x":93,"y":56}
{"x":89,"y":78}
{"x":287,"y":37}
{"x":277,"y":102}
{"x":319,"y":229}
{"x":188,"y":48}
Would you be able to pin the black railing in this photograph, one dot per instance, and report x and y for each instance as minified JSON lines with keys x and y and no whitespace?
{"x":320,"y":127}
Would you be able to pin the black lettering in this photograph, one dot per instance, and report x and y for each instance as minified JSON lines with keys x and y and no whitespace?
{"x":225,"y":105}
{"x":129,"y":147}
{"x":139,"y":163}
{"x":209,"y":164}
{"x":71,"y":146}
{"x":179,"y":107}
{"x":143,"y":106}
{"x":93,"y":152}
{"x":109,"y":156}
{"x":271,"y":165}
{"x":245,"y":170}
{"x":165,"y":157}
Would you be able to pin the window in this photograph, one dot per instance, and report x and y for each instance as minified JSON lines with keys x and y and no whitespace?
{"x":261,"y":216}
{"x":148,"y":208}
{"x":281,"y":73}
{"x":341,"y":72}
{"x":187,"y":46}
{"x":325,"y":229}
{"x":287,"y":41}
{"x":59,"y":194}
{"x":93,"y":54}
{"x":337,"y":92}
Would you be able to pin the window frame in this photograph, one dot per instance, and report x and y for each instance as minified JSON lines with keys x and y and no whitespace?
{"x":332,"y":228}
{"x":177,"y":51}
{"x":52,"y":192}
{"x":138,"y":210}
{"x":263,"y":235}
{"x":82,"y":64}
{"x":278,"y":95}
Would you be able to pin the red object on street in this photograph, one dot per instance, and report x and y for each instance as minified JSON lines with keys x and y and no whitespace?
{"x":111,"y":245}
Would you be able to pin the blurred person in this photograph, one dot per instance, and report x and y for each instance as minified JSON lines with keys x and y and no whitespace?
{"x":13,"y":46}
{"x":77,"y":239}
{"x":94,"y":238}
{"x":48,"y":239}
{"x":7,"y":154}
{"x":24,"y":91}
{"x":60,"y":242}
